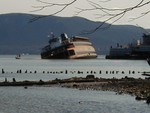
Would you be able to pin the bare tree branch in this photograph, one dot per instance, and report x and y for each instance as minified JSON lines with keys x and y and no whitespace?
{"x":109,"y":15}
{"x":64,"y":6}
{"x":142,"y":15}
{"x":101,"y":26}
{"x":104,"y":0}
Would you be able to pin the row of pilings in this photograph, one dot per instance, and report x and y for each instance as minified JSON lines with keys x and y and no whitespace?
{"x":19,"y":71}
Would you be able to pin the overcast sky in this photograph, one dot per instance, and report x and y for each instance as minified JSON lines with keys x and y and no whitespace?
{"x":25,"y":6}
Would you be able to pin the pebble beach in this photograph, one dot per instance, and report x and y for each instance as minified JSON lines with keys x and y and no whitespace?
{"x":140,"y":88}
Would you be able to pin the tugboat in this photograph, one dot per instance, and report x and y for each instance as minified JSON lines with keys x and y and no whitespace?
{"x":138,"y":51}
{"x":64,"y":47}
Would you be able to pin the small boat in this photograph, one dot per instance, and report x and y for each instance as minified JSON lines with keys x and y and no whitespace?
{"x":18,"y":56}
{"x":64,"y":47}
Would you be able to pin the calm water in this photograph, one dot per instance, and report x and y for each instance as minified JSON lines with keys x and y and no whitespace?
{"x":63,"y":100}
{"x":68,"y":68}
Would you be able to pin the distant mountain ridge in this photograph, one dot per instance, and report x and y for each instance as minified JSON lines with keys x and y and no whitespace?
{"x":19,"y":36}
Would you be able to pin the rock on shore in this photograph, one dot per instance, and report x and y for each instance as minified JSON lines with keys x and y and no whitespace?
{"x":140,"y":88}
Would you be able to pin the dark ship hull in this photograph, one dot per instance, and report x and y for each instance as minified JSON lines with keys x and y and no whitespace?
{"x":140,"y":51}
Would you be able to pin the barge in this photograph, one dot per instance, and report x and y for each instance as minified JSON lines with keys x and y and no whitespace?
{"x":137,"y":51}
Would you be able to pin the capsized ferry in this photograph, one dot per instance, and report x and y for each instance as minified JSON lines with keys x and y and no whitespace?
{"x":137,"y":51}
{"x":64,"y":47}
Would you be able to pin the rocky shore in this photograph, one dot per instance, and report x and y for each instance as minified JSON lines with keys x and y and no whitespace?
{"x":140,"y":88}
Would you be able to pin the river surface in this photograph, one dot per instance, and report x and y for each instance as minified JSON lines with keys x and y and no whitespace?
{"x":34,"y":68}
{"x":47,"y":99}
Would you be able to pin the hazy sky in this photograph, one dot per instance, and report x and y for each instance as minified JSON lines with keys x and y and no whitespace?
{"x":26,"y":6}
